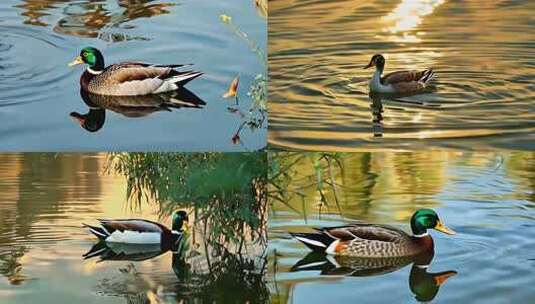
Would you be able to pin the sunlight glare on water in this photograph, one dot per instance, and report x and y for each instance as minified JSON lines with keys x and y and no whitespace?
{"x":482,"y":92}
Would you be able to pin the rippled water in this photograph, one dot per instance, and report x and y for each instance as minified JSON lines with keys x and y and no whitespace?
{"x":487,"y":198}
{"x":45,"y":198}
{"x":482,"y":51}
{"x":38,"y":90}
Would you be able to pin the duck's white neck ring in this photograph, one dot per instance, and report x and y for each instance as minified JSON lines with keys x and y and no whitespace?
{"x":91,"y":71}
{"x":420,"y":235}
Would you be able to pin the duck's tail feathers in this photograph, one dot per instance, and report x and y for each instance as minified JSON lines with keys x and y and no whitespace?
{"x":181,"y":78}
{"x":186,"y":77}
{"x":97,"y":231}
{"x":176,"y":80}
{"x":428,"y":76}
{"x":315,"y":241}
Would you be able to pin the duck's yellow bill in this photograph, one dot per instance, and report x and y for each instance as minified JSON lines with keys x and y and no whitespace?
{"x":76,"y":61}
{"x":440,"y":227}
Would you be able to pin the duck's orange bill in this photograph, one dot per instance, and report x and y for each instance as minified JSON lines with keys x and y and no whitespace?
{"x":440,"y":227}
{"x":76,"y":61}
{"x":441,"y":278}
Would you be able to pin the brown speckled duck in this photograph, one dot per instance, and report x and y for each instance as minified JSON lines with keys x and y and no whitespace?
{"x":129,"y":78}
{"x":376,"y":241}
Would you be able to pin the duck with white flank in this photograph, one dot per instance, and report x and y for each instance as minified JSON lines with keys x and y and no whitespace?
{"x":138,"y":231}
{"x":401,"y":82}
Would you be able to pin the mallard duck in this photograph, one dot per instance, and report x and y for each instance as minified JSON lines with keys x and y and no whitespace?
{"x":129,"y":78}
{"x":370,"y":240}
{"x":139,"y":231}
{"x":402,"y":82}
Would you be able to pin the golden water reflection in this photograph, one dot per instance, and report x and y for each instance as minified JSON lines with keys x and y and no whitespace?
{"x":318,"y":96}
{"x":383,"y":186}
{"x":45,"y":199}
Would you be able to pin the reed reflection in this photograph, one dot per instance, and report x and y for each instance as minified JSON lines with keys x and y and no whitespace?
{"x":206,"y":276}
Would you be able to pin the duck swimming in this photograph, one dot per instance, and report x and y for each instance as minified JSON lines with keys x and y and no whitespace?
{"x":376,"y":241}
{"x":403,"y":82}
{"x":138,"y":231}
{"x":129,"y":78}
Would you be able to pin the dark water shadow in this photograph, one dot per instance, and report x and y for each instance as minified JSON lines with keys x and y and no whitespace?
{"x":132,"y":106}
{"x":226,"y":278}
{"x":423,"y":284}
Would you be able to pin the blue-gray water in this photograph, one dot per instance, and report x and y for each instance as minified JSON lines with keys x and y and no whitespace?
{"x":487,"y":198}
{"x":38,"y":90}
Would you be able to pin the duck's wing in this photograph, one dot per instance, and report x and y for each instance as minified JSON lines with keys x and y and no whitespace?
{"x":407,"y":76}
{"x":132,"y":225}
{"x":145,"y":64}
{"x":368,"y":240}
{"x":131,"y":78}
{"x":370,"y":232}
{"x":408,"y":87}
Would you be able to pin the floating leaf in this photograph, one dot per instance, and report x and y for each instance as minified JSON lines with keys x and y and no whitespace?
{"x":225,"y":18}
{"x":233,"y":88}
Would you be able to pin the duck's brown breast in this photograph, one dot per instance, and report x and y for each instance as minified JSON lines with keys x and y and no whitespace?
{"x":423,"y":244}
{"x":85,"y":79}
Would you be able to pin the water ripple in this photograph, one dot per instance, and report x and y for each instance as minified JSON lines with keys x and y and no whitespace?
{"x":26,"y":64}
{"x":318,"y":96}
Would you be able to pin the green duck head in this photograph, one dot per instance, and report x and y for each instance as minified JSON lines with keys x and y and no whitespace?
{"x":424,"y":219}
{"x":90,"y":56}
{"x":179,"y":218}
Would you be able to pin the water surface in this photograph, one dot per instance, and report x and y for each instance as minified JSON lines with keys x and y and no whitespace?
{"x":487,"y":198}
{"x":38,"y":91}
{"x":482,"y":51}
{"x":44,"y":200}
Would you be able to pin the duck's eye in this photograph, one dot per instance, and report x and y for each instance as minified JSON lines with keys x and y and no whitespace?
{"x":84,"y":54}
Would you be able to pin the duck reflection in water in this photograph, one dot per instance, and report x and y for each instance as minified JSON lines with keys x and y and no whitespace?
{"x":423,"y":284}
{"x":377,"y":114}
{"x":142,"y":252}
{"x":132,"y":106}
{"x":400,"y":99}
